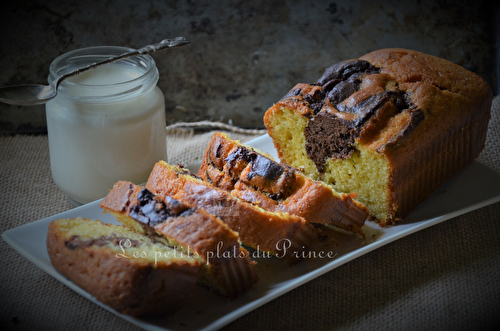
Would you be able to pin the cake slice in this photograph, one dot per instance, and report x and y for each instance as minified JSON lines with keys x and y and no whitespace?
{"x":283,"y":234}
{"x":255,"y":177}
{"x":122,"y":268}
{"x":391,"y":126}
{"x":227,"y":266}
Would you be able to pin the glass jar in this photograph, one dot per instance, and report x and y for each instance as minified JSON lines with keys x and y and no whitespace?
{"x":106,"y":124}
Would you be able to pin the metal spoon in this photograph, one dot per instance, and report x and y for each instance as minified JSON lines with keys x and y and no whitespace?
{"x":33,"y":94}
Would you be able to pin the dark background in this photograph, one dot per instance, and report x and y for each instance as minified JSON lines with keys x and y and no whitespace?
{"x":245,"y":55}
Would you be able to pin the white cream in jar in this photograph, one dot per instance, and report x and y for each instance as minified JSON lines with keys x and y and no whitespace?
{"x":105,"y":125}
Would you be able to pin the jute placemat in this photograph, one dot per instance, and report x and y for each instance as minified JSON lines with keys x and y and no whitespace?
{"x":446,"y":277}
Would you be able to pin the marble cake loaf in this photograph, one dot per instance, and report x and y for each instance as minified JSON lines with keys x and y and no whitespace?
{"x":391,"y":126}
{"x":118,"y":266}
{"x":283,"y":234}
{"x":255,"y":177}
{"x":227,"y":266}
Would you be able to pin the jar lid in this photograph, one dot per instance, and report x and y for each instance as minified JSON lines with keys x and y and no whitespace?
{"x":122,"y":79}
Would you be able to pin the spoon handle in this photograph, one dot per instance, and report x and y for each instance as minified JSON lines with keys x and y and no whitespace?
{"x":166,"y":43}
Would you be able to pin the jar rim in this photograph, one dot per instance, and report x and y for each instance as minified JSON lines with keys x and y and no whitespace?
{"x":71,"y":60}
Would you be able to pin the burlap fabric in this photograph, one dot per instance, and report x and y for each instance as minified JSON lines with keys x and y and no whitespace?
{"x":446,"y":277}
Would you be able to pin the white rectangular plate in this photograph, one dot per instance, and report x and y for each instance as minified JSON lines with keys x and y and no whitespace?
{"x":474,"y":187}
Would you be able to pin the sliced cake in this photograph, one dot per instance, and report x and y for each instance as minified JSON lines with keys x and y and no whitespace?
{"x":255,"y":177}
{"x":283,"y":234}
{"x":227,"y":266}
{"x":122,"y":268}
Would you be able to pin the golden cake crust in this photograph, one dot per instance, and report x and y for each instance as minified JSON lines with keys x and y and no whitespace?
{"x":448,"y":94}
{"x":456,"y":109}
{"x":228,"y":267}
{"x":256,"y":227}
{"x":131,"y":286}
{"x":256,"y":178}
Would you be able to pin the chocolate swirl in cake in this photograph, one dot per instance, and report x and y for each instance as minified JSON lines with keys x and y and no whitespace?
{"x":75,"y":242}
{"x":272,"y":178}
{"x":260,"y":166}
{"x":328,"y":137}
{"x":151,"y":210}
{"x":332,"y":130}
